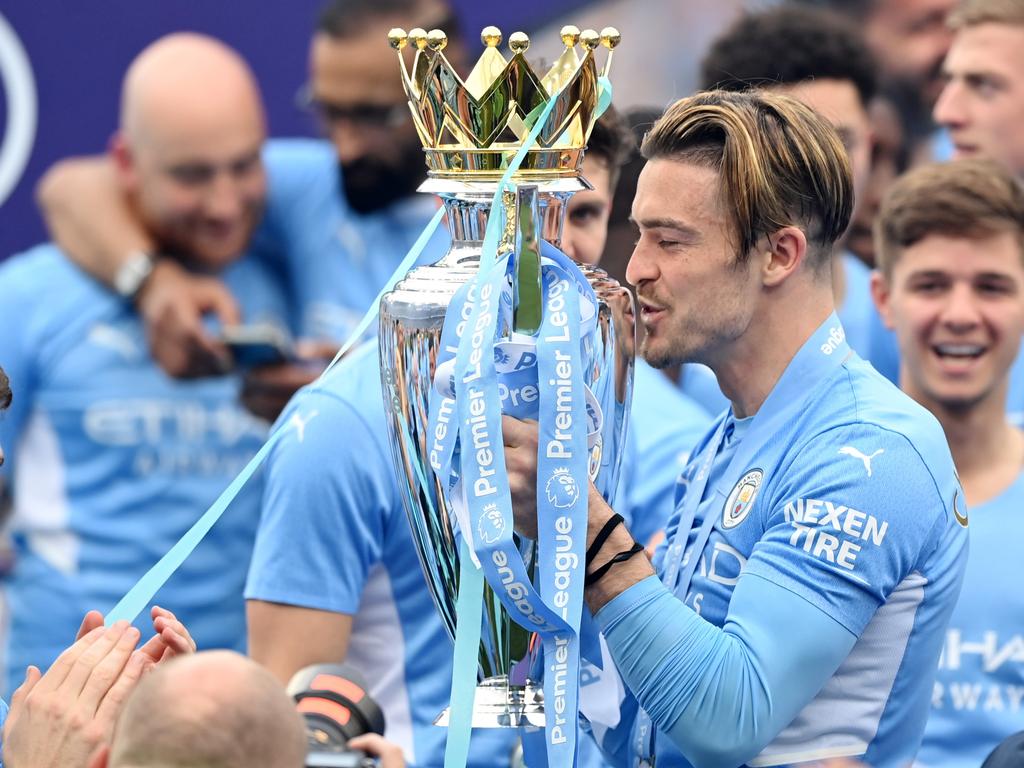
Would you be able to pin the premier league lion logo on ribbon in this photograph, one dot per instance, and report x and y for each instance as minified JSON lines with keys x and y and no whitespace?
{"x":562,"y":489}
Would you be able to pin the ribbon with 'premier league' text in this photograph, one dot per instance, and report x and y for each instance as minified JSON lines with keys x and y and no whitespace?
{"x":566,"y":418}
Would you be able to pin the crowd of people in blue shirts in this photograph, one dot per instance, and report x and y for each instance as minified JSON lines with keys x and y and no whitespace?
{"x":130,"y":412}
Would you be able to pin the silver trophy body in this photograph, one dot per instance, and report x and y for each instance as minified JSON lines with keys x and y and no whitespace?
{"x":411,"y":320}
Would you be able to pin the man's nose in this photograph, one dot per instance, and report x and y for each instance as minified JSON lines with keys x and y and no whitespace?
{"x":224,"y":200}
{"x":351,"y":142}
{"x":949,"y":109}
{"x":960,"y":312}
{"x":640,"y":267}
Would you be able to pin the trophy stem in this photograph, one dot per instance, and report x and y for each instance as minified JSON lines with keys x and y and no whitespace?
{"x":497,"y":704}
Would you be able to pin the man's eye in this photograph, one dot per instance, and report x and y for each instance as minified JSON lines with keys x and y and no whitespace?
{"x":995,"y":289}
{"x":245,"y":165}
{"x":584,"y":214}
{"x":192,"y":175}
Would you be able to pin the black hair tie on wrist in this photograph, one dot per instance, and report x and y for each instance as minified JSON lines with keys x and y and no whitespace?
{"x":621,"y":557}
{"x":602,"y":537}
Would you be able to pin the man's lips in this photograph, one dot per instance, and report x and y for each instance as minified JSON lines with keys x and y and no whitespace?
{"x":649,"y":312}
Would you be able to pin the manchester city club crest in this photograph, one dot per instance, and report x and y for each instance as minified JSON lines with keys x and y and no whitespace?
{"x":961,"y":517}
{"x":741,"y":499}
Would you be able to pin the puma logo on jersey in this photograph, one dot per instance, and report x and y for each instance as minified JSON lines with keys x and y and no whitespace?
{"x":300,"y":423}
{"x":104,"y":335}
{"x":849,"y":450}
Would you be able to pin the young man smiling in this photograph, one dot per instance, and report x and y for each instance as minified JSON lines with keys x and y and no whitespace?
{"x":950,"y":242}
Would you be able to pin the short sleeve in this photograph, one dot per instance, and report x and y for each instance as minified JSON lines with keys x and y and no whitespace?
{"x":856,"y":512}
{"x":326,"y":504}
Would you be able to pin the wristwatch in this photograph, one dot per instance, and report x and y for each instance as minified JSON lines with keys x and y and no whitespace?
{"x":132,"y":274}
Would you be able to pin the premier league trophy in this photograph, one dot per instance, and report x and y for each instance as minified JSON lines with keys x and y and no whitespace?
{"x":471,"y":130}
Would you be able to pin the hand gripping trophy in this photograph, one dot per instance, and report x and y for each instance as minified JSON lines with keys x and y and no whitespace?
{"x":506,"y":323}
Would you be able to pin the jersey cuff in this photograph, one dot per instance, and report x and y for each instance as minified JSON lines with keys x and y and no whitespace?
{"x":319,"y":602}
{"x":626,"y":602}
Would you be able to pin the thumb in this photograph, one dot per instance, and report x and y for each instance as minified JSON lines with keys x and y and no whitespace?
{"x":215,"y":297}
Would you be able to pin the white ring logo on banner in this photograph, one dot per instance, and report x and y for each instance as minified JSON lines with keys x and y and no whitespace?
{"x":20,"y":87}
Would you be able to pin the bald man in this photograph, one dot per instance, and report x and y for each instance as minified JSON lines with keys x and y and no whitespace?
{"x":109,"y":460}
{"x":216,"y":709}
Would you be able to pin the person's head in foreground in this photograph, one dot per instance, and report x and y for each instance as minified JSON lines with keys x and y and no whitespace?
{"x":950,"y":245}
{"x":187,"y":152}
{"x":215,"y":709}
{"x":738,"y":208}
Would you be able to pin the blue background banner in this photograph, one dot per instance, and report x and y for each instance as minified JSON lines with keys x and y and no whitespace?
{"x":61,"y":63}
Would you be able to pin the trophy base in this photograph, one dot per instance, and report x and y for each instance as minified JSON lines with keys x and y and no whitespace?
{"x":499,"y":705}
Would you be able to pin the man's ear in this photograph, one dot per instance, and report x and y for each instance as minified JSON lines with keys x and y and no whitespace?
{"x":123,"y":158}
{"x":100,"y":757}
{"x":881,"y":292}
{"x":787,"y":252}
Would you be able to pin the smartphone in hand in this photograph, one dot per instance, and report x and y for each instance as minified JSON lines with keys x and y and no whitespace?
{"x":258,"y":344}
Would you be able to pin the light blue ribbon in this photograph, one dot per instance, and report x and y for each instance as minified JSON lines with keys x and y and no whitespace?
{"x":469,"y":607}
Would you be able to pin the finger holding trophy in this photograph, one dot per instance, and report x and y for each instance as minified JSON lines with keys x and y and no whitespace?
{"x":505,"y":325}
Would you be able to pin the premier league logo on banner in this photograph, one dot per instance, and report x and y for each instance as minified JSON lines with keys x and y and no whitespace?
{"x":506,"y":324}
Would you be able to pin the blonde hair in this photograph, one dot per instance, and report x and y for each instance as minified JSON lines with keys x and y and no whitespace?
{"x":971,"y":13}
{"x":972,"y":198}
{"x":779,"y":163}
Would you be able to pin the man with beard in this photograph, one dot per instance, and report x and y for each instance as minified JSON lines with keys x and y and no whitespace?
{"x":796,"y":609}
{"x":910,"y":39}
{"x":343,"y":211}
{"x":822,"y":60}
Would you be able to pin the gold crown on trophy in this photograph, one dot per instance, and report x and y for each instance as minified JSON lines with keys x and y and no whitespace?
{"x":471,"y":129}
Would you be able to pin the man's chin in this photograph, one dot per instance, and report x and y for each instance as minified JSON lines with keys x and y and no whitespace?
{"x":217,"y":254}
{"x":655,"y":356}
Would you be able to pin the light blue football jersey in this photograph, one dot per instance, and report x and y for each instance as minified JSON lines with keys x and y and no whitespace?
{"x":978,"y":698}
{"x":334,"y":537}
{"x":111,"y":461}
{"x":840,"y":491}
{"x":337,"y":260}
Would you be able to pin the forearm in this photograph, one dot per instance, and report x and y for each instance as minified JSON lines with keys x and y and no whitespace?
{"x":621,"y":576}
{"x":722,"y":694}
{"x":89,"y":217}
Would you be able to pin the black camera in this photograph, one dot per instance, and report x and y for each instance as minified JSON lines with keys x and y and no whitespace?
{"x":333,"y":700}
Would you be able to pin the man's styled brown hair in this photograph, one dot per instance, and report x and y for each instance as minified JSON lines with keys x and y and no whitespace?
{"x":779,"y":164}
{"x":972,"y":198}
{"x":971,"y":13}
